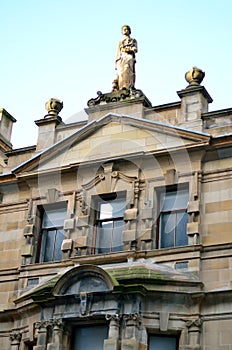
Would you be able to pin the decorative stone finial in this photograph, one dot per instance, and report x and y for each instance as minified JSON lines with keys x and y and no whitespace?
{"x":194,"y":76}
{"x":53,"y":106}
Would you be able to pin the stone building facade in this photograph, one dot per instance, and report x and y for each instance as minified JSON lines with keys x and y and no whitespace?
{"x":115,"y":232}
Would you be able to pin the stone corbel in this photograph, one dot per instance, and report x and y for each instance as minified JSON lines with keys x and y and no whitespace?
{"x":66,"y":247}
{"x":69,"y":224}
{"x":85,"y":303}
{"x":164,"y":318}
{"x":171,"y":177}
{"x":81,"y":244}
{"x":52,"y":195}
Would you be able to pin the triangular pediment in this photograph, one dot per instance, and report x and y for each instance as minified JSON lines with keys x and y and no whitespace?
{"x":113,"y":137}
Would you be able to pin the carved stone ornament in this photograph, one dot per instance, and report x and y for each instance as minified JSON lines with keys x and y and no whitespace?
{"x":114,"y":96}
{"x":41,"y":325}
{"x":15,"y":338}
{"x":194,"y":76}
{"x":53,"y":106}
{"x":109,"y":178}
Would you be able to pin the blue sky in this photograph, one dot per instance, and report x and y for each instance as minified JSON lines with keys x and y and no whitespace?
{"x":66,"y":49}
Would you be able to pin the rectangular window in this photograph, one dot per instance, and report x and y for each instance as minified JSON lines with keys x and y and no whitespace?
{"x":163,"y":343}
{"x":52,"y":233}
{"x":173,"y":218}
{"x":109,"y":224}
{"x":89,"y":338}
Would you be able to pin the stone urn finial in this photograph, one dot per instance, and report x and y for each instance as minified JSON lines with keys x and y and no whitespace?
{"x":53,"y":106}
{"x":194,"y":76}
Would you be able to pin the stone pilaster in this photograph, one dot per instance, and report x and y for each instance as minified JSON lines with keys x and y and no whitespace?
{"x":194,"y":100}
{"x":42,"y":335}
{"x":15,"y":339}
{"x":57,"y":335}
{"x":194,"y":330}
{"x":112,"y":343}
{"x":131,"y":340}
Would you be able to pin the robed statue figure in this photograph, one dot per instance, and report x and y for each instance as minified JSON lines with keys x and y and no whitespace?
{"x":125,"y":61}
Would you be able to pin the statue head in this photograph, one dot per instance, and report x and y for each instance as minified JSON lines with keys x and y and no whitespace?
{"x":128,"y":28}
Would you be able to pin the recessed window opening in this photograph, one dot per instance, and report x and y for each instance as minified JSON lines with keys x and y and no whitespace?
{"x":173,"y":217}
{"x":52,"y":233}
{"x":90,"y":337}
{"x":109,"y":223}
{"x":162,"y":342}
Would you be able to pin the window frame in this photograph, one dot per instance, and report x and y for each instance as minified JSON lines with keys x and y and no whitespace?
{"x":41,"y":243}
{"x":98,"y":200}
{"x":159,"y":212}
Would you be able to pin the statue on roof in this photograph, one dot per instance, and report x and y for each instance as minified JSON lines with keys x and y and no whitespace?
{"x":125,"y":61}
{"x":124,"y":83}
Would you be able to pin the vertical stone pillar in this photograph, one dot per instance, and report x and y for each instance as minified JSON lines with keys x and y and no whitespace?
{"x":15,"y":339}
{"x":66,"y":338}
{"x":47,"y":125}
{"x":42,"y":335}
{"x":194,"y":100}
{"x":132,"y":336}
{"x":194,"y":329}
{"x":112,"y":343}
{"x":57,"y":335}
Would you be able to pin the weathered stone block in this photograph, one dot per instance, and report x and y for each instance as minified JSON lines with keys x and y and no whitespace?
{"x":193,"y":206}
{"x":146,"y":213}
{"x":192,"y":228}
{"x":171,"y":177}
{"x":27,"y":250}
{"x":66,"y":244}
{"x":54,"y":346}
{"x":69,"y":224}
{"x":129,"y":235}
{"x":146,"y":235}
{"x":130,"y":214}
{"x":82,"y":221}
{"x":28,"y":230}
{"x":130,"y":344}
{"x":81,"y":242}
{"x":111,"y":344}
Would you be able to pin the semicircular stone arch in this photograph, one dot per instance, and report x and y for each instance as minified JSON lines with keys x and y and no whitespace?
{"x":84,"y":279}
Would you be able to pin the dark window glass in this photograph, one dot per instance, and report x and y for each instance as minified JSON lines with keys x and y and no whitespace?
{"x":89,"y":338}
{"x":52,"y":234}
{"x":173,"y":218}
{"x":109,"y":225}
{"x":162,"y":343}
